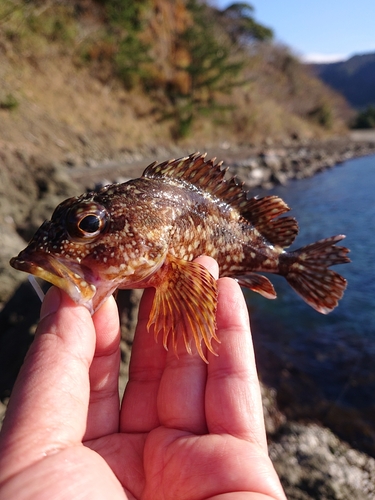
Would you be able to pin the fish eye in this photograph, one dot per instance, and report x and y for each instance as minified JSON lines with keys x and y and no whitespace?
{"x":89,"y":224}
{"x":86,"y":221}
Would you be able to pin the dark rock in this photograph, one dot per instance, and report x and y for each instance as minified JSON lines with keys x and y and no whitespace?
{"x":128,"y":305}
{"x":314,"y":464}
{"x":277,"y":165}
{"x":279,"y":178}
{"x":273,"y":417}
{"x":11,"y":244}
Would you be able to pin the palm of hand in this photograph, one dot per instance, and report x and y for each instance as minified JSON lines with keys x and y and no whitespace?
{"x":172,"y":464}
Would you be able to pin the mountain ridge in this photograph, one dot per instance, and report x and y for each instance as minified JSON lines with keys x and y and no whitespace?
{"x":354,"y":78}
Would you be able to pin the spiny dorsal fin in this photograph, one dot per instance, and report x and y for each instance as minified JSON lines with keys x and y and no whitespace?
{"x":195,"y":171}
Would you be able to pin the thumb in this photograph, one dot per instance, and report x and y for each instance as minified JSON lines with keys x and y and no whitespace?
{"x":48,"y":407}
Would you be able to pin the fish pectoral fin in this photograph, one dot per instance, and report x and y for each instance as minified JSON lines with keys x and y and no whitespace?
{"x":184,"y":305}
{"x":257,"y":283}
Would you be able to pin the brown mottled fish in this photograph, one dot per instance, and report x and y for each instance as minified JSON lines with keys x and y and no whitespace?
{"x":146,"y":232}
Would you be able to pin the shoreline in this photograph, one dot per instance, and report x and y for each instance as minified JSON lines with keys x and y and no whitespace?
{"x":258,"y":166}
{"x":279,"y":165}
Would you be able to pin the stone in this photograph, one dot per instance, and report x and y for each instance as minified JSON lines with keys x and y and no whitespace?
{"x":313,"y":463}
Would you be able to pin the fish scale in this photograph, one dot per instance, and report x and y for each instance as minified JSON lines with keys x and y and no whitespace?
{"x":146,"y":233}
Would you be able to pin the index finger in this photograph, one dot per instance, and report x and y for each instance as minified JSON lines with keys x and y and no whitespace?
{"x":233,"y":398}
{"x":147,"y":362}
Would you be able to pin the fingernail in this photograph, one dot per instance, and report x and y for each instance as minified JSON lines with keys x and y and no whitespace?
{"x":51,"y":302}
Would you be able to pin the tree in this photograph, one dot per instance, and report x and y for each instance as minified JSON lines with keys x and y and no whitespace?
{"x":212,"y":69}
{"x":127,"y":20}
{"x":241,"y":26}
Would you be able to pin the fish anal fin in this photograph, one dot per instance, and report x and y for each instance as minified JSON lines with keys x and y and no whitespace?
{"x":257,"y":283}
{"x":306,"y":270}
{"x":184,"y":305}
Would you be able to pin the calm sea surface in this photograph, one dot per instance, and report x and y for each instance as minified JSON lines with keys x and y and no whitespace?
{"x":334,"y":353}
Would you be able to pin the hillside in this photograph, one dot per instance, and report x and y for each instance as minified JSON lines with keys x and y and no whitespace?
{"x":77,"y":80}
{"x":354,"y":79}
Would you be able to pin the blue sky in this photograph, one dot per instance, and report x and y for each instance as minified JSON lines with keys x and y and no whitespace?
{"x":318,"y":30}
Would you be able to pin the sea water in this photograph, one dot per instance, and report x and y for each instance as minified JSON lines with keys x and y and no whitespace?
{"x":333,"y":355}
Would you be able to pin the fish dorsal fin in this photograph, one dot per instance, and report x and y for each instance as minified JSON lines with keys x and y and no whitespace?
{"x":281,"y":232}
{"x":263,"y":213}
{"x":195,"y":171}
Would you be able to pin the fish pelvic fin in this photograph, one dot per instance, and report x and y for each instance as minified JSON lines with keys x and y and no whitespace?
{"x":306,"y":270}
{"x":184,"y":305}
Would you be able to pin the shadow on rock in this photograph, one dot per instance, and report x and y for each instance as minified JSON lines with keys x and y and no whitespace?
{"x":18,"y":321}
{"x":300,"y":398}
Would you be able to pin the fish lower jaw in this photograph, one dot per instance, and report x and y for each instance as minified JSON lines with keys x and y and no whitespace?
{"x":75,"y":285}
{"x":80,"y":295}
{"x":78,"y":289}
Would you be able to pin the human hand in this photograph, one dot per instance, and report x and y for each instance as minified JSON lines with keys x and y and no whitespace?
{"x":185,"y":430}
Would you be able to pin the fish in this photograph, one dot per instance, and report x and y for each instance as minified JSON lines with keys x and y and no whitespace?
{"x":147,"y":232}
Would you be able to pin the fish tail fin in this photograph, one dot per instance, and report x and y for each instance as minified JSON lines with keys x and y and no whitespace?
{"x":306,"y":270}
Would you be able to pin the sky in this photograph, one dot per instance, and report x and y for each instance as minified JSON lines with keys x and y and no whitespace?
{"x":318,"y":30}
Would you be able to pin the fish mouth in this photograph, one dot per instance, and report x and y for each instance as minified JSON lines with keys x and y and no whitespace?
{"x":67,"y":275}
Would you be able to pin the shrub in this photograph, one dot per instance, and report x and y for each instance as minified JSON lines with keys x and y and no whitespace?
{"x":322,"y":115}
{"x":365,"y":119}
{"x":9,"y":102}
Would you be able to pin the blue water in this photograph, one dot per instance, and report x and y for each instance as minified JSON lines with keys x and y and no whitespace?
{"x":331,"y":355}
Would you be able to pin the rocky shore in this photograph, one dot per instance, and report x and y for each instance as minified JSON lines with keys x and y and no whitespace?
{"x":312,"y":462}
{"x":277,"y":165}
